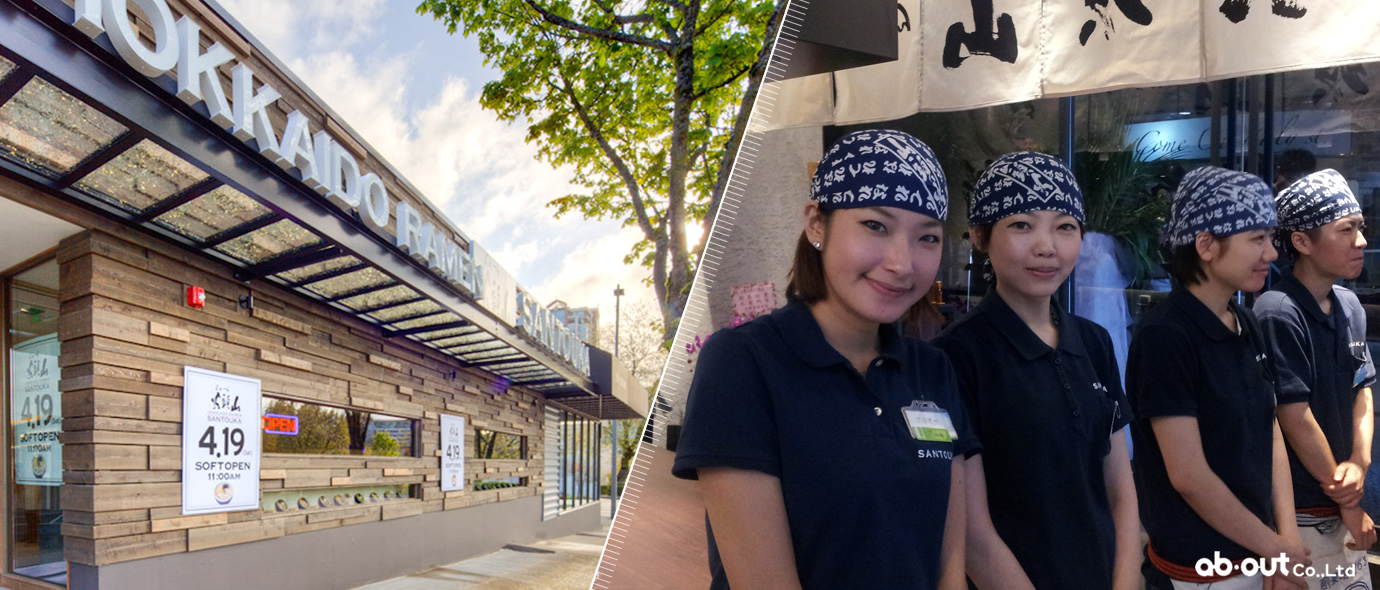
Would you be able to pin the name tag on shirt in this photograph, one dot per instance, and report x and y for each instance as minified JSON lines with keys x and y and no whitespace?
{"x":929,"y":422}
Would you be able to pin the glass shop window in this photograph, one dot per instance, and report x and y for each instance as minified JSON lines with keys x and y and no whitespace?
{"x":491,"y":444}
{"x":314,"y":429}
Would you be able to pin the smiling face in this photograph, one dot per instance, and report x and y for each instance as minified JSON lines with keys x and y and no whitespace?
{"x":1241,"y":261}
{"x":1032,"y":253}
{"x":878,"y":261}
{"x":1337,"y":249}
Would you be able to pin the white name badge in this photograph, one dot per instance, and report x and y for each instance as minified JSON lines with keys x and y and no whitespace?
{"x":929,"y":422}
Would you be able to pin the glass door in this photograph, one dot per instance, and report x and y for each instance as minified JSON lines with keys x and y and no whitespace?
{"x":35,"y":406}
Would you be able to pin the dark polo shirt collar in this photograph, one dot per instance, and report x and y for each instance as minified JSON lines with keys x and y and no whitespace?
{"x":1010,"y":325}
{"x":1199,"y":315}
{"x":1305,"y":301}
{"x":801,"y":331}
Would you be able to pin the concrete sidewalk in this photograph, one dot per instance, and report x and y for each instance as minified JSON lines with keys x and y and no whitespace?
{"x":564,"y":563}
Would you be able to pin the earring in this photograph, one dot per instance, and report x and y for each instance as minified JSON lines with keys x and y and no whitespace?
{"x":817,"y":245}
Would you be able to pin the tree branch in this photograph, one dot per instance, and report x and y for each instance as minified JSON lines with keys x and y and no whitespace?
{"x":622,"y":19}
{"x":592,"y":31}
{"x":679,"y":7}
{"x":624,"y":172}
{"x":728,"y":7}
{"x":729,"y":80}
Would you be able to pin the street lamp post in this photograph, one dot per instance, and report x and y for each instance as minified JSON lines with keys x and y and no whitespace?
{"x":613,"y":485}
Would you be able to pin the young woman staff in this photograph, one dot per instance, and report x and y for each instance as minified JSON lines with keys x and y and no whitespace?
{"x":1317,"y":332}
{"x":1210,"y":465}
{"x":829,"y":448}
{"x":1044,"y":395}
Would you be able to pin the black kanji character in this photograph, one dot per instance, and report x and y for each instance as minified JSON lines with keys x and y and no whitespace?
{"x":1236,"y":10}
{"x":904,"y":24}
{"x":982,"y":41}
{"x":1134,"y":10}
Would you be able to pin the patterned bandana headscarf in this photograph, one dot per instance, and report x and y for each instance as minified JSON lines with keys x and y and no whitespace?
{"x":881,"y":168}
{"x":1023,"y":182}
{"x":1218,"y":201}
{"x":1314,"y":201}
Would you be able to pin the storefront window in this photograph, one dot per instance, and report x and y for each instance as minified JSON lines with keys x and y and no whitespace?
{"x":490,"y":444}
{"x":35,"y":423}
{"x":579,"y":460}
{"x":313,"y":429}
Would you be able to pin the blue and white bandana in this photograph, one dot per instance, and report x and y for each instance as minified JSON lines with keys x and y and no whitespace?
{"x":1023,"y":182}
{"x":1314,"y":201}
{"x":881,"y":168}
{"x":1218,"y":201}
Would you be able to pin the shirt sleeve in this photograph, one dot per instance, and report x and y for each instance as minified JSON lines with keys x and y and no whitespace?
{"x":967,"y":443}
{"x":1160,"y":373}
{"x":729,"y":418}
{"x":1288,"y":346}
{"x":1365,"y":375}
{"x":962,"y":376}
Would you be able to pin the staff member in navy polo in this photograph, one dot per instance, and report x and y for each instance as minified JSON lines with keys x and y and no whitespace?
{"x":829,"y":448}
{"x":1210,"y":466}
{"x":1317,"y":332}
{"x":1044,"y":395}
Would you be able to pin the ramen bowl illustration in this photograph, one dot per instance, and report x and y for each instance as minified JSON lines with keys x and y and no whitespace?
{"x":224,"y":493}
{"x":40,"y":466}
{"x":303,"y":503}
{"x":281,"y":505}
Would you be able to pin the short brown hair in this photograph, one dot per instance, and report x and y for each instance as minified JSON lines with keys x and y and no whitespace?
{"x":1285,"y":238}
{"x":1184,"y":265}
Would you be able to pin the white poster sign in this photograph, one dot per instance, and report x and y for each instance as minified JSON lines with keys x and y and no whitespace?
{"x":36,"y":412}
{"x":221,"y":438}
{"x":452,"y":453}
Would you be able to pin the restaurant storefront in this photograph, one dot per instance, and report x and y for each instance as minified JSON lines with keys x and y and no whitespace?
{"x":242,"y":350}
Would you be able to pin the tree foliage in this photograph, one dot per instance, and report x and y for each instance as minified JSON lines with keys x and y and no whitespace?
{"x":383,"y":445}
{"x":642,"y":102}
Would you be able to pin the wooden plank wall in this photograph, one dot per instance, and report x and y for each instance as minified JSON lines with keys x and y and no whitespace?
{"x":126,"y":335}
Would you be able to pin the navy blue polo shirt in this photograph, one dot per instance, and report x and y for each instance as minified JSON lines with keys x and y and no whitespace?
{"x":865,"y":501}
{"x":1184,"y":361}
{"x":1323,"y":362}
{"x":1045,"y":417}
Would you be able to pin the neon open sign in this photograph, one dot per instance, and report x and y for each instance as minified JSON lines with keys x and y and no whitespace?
{"x":280,"y":424}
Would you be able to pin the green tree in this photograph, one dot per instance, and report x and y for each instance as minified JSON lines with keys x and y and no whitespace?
{"x":647,"y":108}
{"x":383,"y":445}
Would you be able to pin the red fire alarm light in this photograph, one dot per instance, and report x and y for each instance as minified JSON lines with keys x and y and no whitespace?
{"x":196,"y":297}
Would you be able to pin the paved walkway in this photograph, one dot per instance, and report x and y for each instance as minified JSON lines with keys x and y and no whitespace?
{"x":564,"y":563}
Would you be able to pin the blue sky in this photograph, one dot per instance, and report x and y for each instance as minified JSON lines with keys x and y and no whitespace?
{"x":412,"y":91}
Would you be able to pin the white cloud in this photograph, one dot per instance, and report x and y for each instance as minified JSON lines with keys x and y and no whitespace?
{"x":293,"y":29}
{"x":587,"y":276}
